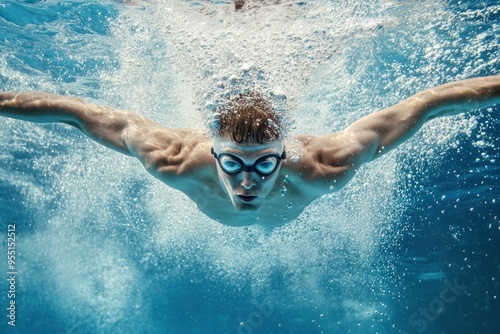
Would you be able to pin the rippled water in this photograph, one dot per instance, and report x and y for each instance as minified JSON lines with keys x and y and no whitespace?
{"x":410,"y":245}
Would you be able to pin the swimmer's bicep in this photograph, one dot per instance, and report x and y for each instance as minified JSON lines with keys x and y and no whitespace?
{"x":381,"y":131}
{"x":108,"y":126}
{"x":364,"y":140}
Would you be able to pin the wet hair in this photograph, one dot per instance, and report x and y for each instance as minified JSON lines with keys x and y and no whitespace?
{"x":248,"y":118}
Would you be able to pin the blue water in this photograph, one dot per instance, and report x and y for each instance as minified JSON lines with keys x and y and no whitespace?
{"x":410,"y":245}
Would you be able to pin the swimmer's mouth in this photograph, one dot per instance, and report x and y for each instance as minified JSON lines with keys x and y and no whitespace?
{"x":247,"y":199}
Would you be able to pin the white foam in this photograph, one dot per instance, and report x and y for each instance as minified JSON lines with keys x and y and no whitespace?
{"x":334,"y":60}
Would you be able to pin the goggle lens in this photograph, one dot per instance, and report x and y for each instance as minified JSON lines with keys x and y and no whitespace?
{"x":229,"y":165}
{"x":264,"y":166}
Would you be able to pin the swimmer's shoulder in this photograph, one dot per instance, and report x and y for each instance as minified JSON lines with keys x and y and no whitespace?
{"x":173,"y":155}
{"x":314,"y":167}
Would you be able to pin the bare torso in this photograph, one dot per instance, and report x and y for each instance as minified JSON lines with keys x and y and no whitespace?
{"x":200,"y":182}
{"x":197,"y":177}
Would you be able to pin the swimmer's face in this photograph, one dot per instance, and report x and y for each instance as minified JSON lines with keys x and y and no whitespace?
{"x":248,"y":171}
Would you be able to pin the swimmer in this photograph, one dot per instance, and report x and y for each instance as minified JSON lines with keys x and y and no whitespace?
{"x":246,"y":161}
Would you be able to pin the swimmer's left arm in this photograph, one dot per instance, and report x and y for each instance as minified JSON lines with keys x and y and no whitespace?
{"x":379,"y":132}
{"x":386,"y":129}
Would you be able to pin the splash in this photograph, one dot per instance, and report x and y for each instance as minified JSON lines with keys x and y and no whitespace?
{"x":120,"y":245}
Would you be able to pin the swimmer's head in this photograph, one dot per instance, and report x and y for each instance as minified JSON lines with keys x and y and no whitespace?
{"x":249,"y":149}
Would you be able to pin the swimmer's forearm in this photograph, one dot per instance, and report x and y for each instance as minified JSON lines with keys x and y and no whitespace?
{"x":40,"y":107}
{"x":461,"y":96}
{"x":103,"y":124}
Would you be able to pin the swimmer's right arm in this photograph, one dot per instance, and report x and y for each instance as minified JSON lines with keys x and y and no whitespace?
{"x":101,"y":123}
{"x":123,"y":131}
{"x":166,"y":153}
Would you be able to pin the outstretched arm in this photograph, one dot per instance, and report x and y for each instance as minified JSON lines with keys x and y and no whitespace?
{"x":379,"y":132}
{"x":166,"y":153}
{"x":383,"y":130}
{"x":103,"y":124}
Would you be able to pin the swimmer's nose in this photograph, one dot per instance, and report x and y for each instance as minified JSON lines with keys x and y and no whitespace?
{"x":248,"y":181}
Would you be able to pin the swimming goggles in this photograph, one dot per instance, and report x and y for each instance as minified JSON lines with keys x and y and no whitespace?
{"x":264,"y":166}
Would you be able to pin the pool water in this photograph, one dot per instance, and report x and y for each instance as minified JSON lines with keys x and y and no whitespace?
{"x":410,"y":245}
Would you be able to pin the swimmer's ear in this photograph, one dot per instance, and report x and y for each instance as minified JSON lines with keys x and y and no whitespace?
{"x":283,"y":155}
